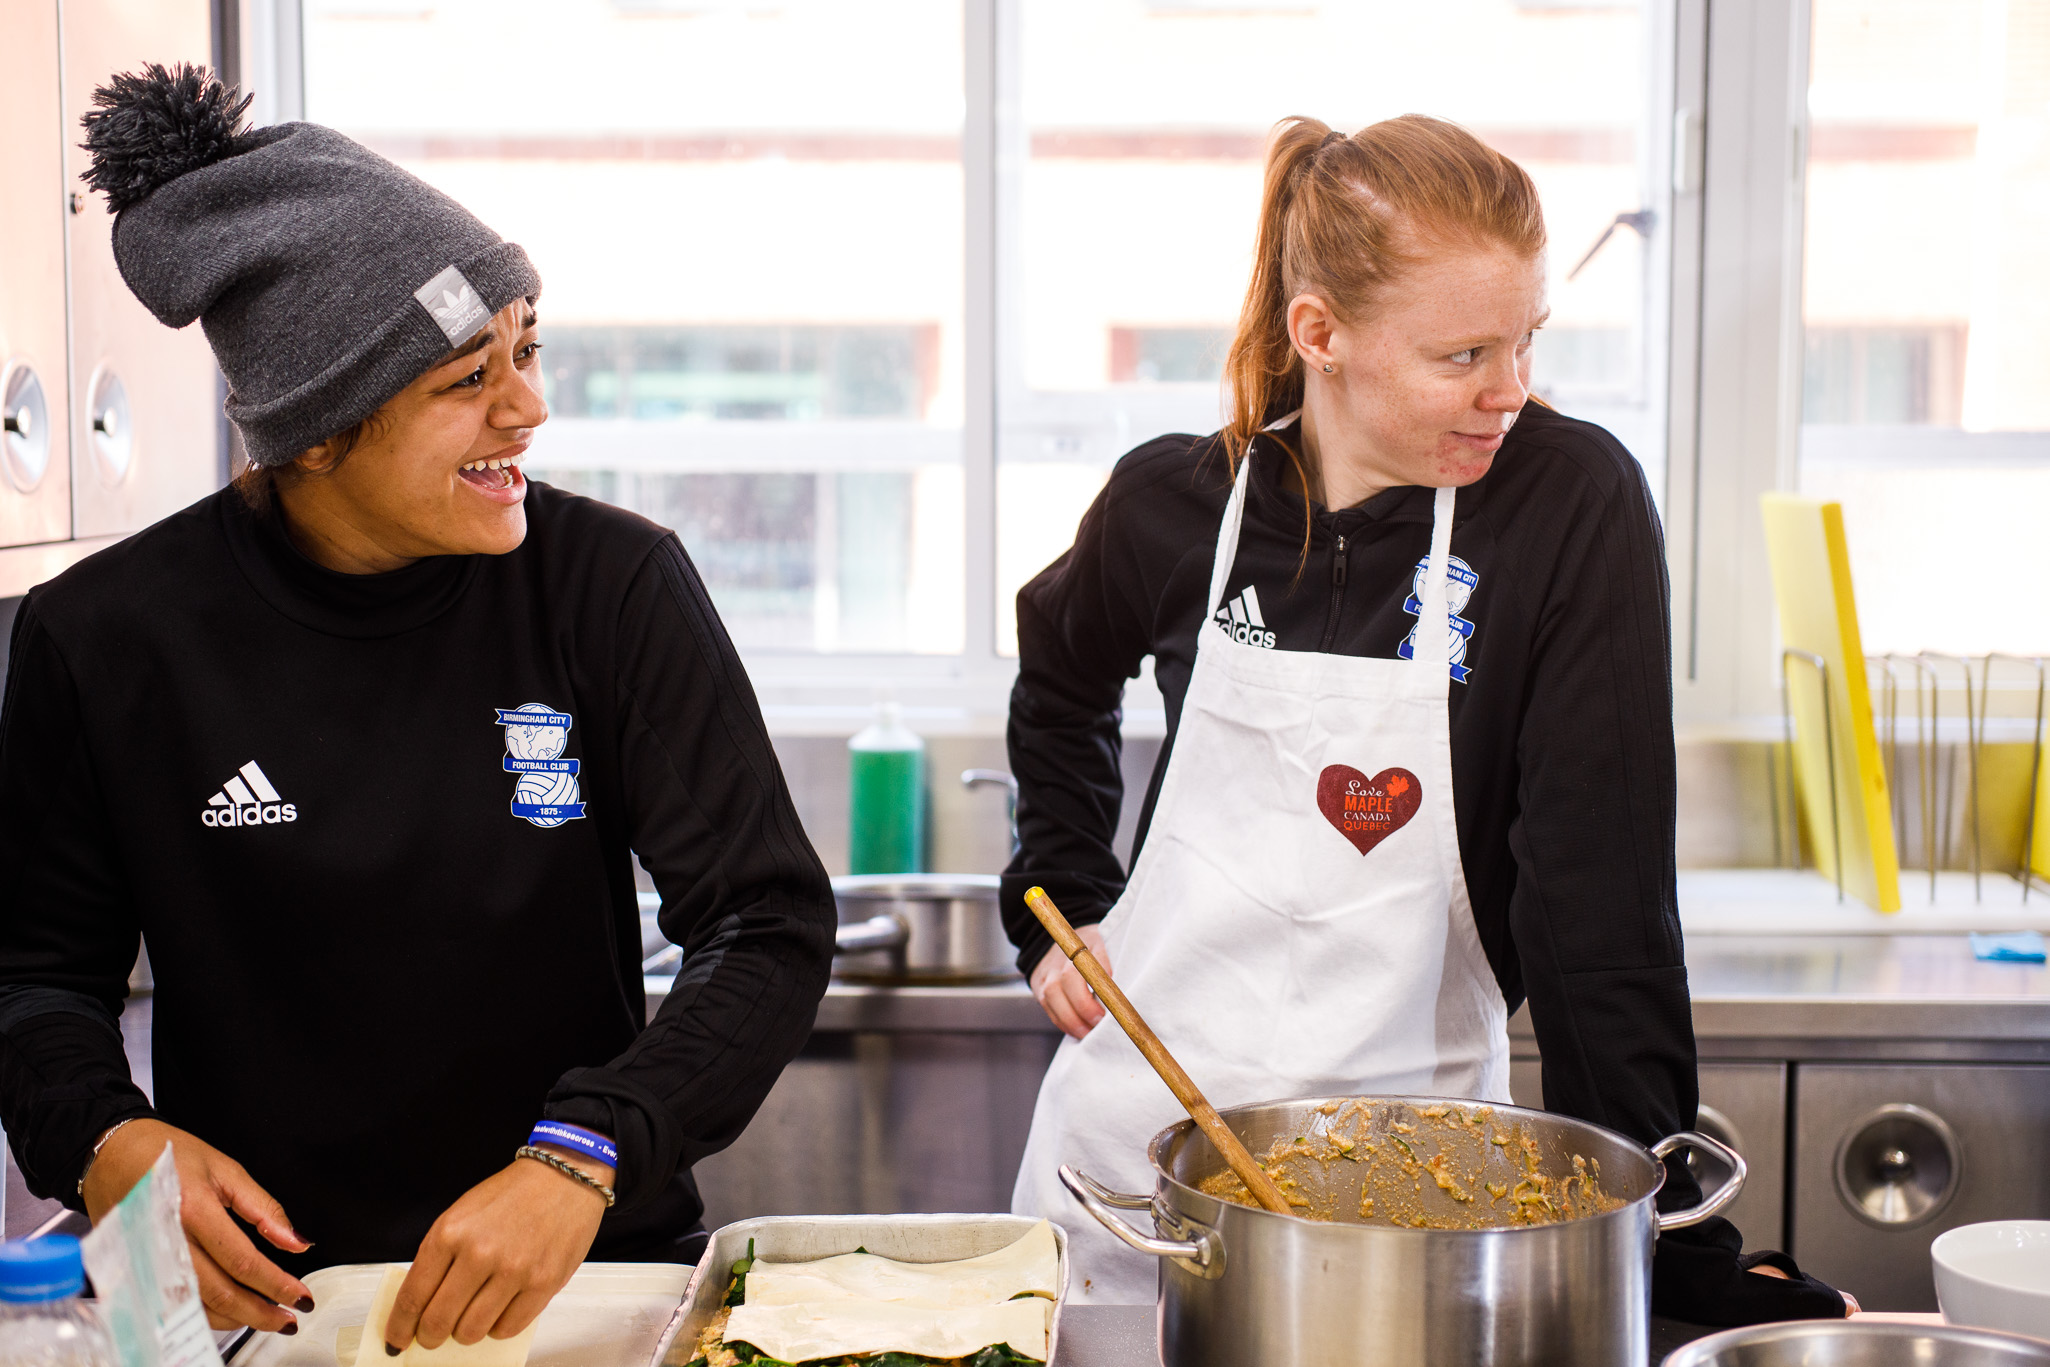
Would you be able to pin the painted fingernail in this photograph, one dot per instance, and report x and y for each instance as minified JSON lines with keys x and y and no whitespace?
{"x":291,"y":1328}
{"x":392,"y":1352}
{"x":304,"y":1305}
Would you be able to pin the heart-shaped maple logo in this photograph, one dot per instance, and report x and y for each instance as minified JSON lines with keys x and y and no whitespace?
{"x":1365,"y":810}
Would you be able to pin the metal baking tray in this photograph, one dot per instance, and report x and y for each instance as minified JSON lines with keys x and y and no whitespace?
{"x":802,"y":1238}
{"x":610,"y":1315}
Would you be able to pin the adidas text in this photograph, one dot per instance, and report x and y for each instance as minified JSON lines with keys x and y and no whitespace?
{"x":1240,"y":619}
{"x":268,"y":814}
{"x":248,"y":799}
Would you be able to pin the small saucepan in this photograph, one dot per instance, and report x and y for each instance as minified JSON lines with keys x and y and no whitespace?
{"x":903,"y":928}
{"x":921,"y":928}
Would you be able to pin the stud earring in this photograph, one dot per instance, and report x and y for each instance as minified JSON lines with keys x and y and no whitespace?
{"x":1328,"y":367}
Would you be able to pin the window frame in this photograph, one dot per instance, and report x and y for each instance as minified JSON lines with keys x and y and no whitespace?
{"x":1737,"y":347}
{"x":1731,"y":87}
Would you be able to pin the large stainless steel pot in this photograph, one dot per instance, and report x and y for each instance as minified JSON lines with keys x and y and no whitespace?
{"x":1242,"y":1287}
{"x":922,"y":928}
{"x":1861,"y":1343}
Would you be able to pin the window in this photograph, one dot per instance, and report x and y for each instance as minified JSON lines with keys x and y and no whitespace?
{"x":1884,"y":375}
{"x":1924,"y":407}
{"x":866,"y":296}
{"x":748,"y":220}
{"x":1129,"y":204}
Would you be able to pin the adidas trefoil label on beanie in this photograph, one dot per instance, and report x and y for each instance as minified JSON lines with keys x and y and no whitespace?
{"x":454,"y":306}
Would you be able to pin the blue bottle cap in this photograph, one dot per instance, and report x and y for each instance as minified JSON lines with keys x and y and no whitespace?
{"x":45,"y":1269}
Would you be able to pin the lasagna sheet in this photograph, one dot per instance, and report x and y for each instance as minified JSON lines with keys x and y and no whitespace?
{"x":1028,"y":1267}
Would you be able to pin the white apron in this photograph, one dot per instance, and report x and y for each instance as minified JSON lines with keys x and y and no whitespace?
{"x":1297,"y":924}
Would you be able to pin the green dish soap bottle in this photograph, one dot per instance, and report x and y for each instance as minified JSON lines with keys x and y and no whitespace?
{"x":886,"y":797}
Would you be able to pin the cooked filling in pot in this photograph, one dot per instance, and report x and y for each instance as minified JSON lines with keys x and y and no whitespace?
{"x":861,"y":1310}
{"x":1365,"y":1162}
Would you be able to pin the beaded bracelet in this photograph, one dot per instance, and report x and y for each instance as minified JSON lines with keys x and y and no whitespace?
{"x":567,"y":1170}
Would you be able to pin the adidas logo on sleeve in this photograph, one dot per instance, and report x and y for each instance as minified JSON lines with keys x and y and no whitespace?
{"x":247,"y":799}
{"x":1240,"y":619}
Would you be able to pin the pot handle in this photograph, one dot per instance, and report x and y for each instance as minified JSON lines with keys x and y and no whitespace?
{"x":887,"y":931}
{"x":1202,"y":1255}
{"x":1716,"y":1200}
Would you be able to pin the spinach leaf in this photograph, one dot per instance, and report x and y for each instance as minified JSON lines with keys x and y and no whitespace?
{"x":737,"y":1292}
{"x":1001,"y":1355}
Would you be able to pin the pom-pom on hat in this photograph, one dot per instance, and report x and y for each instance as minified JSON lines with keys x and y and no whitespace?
{"x":326,"y":278}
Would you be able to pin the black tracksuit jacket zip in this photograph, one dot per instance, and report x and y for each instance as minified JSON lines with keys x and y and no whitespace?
{"x":1561,"y":738}
{"x":1337,"y":595}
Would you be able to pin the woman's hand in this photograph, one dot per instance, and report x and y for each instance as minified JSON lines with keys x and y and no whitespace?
{"x":1060,"y":991}
{"x":1851,"y":1306}
{"x":497,"y":1256}
{"x":237,"y":1284}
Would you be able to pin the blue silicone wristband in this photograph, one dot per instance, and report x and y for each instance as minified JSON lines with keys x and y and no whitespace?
{"x":588,"y":1142}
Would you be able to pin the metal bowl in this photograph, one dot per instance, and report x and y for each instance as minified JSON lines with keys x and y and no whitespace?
{"x":1860,"y":1343}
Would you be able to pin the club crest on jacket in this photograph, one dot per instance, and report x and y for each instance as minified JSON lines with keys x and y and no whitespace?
{"x":1460,"y":580}
{"x":535,"y":737}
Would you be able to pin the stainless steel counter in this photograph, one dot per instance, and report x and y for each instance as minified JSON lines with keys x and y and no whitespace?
{"x":1914,"y":996}
{"x":1923,"y":996}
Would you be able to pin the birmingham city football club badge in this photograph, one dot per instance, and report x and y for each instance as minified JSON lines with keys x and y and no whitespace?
{"x":1460,"y":581}
{"x":535,"y":737}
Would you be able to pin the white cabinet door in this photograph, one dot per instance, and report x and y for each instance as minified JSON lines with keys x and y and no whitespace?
{"x":144,"y":407}
{"x":35,"y":464}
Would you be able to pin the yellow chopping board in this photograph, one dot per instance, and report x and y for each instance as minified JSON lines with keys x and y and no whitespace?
{"x":1811,"y":580}
{"x":2039,"y":847}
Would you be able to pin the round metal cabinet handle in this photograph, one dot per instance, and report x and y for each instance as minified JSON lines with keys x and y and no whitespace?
{"x":113,"y":430}
{"x":1202,"y":1255}
{"x":1898,"y":1165}
{"x":25,"y":418}
{"x":1715,"y":1201}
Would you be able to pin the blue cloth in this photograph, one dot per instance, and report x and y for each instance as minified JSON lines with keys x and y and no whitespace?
{"x":2013,"y":947}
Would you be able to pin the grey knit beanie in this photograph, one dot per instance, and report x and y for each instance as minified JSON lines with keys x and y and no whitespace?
{"x":327,"y":279}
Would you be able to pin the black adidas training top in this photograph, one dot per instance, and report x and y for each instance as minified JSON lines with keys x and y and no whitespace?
{"x":368,"y":1000}
{"x":1561,"y":734}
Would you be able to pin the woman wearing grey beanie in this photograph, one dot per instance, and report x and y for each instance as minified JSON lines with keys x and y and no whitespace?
{"x":364,"y":746}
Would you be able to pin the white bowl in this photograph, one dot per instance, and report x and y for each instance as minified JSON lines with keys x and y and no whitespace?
{"x":1995,"y":1275}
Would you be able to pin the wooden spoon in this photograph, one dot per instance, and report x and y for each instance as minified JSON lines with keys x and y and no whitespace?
{"x":1127,"y":1016}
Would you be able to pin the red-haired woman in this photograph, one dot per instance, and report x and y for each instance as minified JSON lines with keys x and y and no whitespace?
{"x":1413,"y":635}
